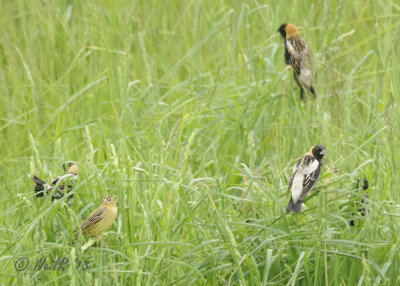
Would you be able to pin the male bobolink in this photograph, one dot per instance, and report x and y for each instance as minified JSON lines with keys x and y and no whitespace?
{"x":305,"y":174}
{"x":362,"y":202}
{"x":60,"y":181}
{"x":101,"y":218}
{"x":298,"y":57}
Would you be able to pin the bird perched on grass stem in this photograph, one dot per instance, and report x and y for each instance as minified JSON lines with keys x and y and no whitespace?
{"x":101,"y":218}
{"x":298,"y":57}
{"x":59,"y":182}
{"x":361,"y":200}
{"x":304,"y":177}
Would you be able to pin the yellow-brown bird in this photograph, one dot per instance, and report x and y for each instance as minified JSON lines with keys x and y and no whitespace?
{"x":101,"y":218}
{"x":59,"y":182}
{"x":298,"y":57}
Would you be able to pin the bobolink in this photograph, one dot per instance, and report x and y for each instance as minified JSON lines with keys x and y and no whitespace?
{"x":361,"y":200}
{"x":59,"y":181}
{"x":304,"y":177}
{"x":101,"y":218}
{"x":298,"y":57}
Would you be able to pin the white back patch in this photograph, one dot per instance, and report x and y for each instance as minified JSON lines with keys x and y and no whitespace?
{"x":297,"y":186}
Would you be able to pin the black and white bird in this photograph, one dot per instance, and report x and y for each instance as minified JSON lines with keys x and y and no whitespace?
{"x":361,"y":200}
{"x":60,"y":182}
{"x":298,"y":57}
{"x":304,"y":177}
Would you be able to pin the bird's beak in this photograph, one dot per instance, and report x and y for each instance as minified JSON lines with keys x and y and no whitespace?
{"x":323,"y":152}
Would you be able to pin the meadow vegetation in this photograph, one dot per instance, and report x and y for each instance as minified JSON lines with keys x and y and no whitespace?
{"x":186,"y":113}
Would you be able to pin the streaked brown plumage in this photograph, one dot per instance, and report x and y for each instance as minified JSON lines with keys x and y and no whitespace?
{"x":101,"y":218}
{"x":59,"y":181}
{"x":298,"y":57}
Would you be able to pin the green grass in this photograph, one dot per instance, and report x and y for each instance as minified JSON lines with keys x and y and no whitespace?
{"x":185,"y":112}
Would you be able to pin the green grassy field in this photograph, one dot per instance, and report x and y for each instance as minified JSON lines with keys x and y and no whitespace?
{"x":186,"y":113}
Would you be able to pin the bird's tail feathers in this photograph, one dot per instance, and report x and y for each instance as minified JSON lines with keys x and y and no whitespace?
{"x":296,"y":207}
{"x":38,"y":181}
{"x":312,"y":91}
{"x":39,"y":187}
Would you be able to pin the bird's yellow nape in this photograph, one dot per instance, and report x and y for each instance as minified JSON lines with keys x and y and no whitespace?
{"x":73,"y":169}
{"x":290,"y":30}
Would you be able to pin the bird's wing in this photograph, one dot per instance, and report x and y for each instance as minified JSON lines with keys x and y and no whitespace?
{"x":294,"y":47}
{"x":311,"y":176}
{"x":56,"y":180}
{"x":59,"y":192}
{"x":62,"y":178}
{"x":93,"y":218}
{"x":306,"y":71}
{"x":288,"y":57}
{"x":305,"y":55}
{"x":295,"y":168}
{"x":38,"y":181}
